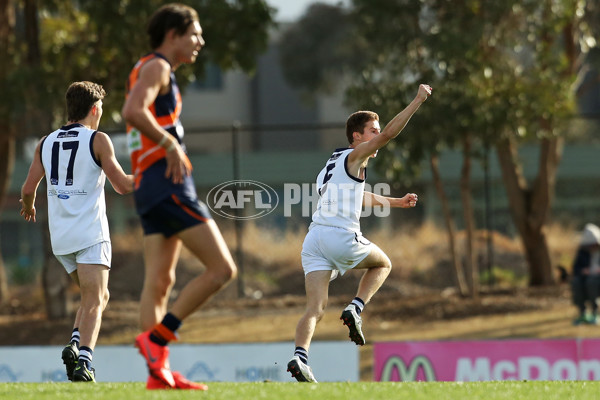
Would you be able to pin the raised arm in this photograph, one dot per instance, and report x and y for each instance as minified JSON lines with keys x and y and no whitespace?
{"x":29,"y":188}
{"x":371,"y":199}
{"x":105,"y":152}
{"x":391,"y":130}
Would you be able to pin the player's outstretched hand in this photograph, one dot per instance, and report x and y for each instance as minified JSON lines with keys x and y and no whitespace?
{"x":424,"y":92}
{"x":409,"y":200}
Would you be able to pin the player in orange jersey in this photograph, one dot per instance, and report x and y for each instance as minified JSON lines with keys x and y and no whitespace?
{"x":165,"y":195}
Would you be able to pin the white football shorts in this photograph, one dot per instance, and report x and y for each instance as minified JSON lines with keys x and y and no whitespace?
{"x":99,"y":253}
{"x":328,"y":248}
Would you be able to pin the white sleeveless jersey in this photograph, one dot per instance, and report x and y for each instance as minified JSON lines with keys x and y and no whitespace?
{"x":341,"y":194}
{"x":75,"y":182}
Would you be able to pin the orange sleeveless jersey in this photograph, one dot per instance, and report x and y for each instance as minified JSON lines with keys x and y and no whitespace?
{"x":166,"y":110}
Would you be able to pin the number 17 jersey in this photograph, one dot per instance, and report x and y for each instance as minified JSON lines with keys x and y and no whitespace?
{"x":340,"y":194}
{"x":75,"y":183}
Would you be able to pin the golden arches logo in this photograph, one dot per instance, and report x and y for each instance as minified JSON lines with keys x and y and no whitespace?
{"x":408,"y":374}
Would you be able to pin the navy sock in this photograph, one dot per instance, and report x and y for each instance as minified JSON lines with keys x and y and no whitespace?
{"x":359,"y":304}
{"x":75,"y":337}
{"x":302,"y":354}
{"x":85,"y":356}
{"x":170,"y":322}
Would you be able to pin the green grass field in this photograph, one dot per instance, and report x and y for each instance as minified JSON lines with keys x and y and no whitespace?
{"x":326,"y":391}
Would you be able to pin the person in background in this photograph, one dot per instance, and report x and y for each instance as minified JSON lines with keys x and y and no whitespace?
{"x":76,"y":160}
{"x":585,"y":283}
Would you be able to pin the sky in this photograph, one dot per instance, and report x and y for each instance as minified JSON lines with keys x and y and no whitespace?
{"x":291,"y":10}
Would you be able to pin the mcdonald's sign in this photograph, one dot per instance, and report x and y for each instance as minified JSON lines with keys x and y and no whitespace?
{"x":485,"y":360}
{"x":410,"y":372}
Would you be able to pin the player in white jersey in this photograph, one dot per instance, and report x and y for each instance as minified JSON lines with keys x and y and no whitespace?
{"x":334,"y":243}
{"x":76,"y":159}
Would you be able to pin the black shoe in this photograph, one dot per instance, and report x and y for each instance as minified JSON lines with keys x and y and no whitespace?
{"x":82,"y":374}
{"x":69,"y":356}
{"x":354,"y":323}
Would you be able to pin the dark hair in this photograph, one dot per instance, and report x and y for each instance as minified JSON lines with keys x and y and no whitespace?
{"x":357,"y":121}
{"x":81,"y":97}
{"x":170,"y":16}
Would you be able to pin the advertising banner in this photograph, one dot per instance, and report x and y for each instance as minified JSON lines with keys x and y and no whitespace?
{"x":564,"y":359}
{"x":330,"y":361}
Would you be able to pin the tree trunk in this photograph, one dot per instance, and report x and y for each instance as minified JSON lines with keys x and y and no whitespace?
{"x":467,"y":202}
{"x":530,"y":207}
{"x":7,"y":162}
{"x":450,"y":228}
{"x":538,"y":257}
{"x":7,"y":139}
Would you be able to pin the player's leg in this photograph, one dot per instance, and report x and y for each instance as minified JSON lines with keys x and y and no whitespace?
{"x":93,"y":282}
{"x":70,"y":352}
{"x":206,"y":243}
{"x":160,"y":259}
{"x":204,"y":240}
{"x":162,"y":247}
{"x":75,"y":335}
{"x":317,"y":292}
{"x":378,"y":267}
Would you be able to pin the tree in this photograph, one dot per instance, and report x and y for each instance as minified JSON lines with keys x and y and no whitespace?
{"x":66,"y":41}
{"x":536,"y":83}
{"x":501,"y":73}
{"x":313,"y":61}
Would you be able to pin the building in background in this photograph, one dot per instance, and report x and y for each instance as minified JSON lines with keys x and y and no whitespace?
{"x":264,"y":101}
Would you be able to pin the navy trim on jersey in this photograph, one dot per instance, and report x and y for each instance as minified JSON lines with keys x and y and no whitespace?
{"x":41,"y":146}
{"x":156,"y":53}
{"x":71,"y":126}
{"x":92,"y":149}
{"x":348,"y":172}
{"x":165,"y":104}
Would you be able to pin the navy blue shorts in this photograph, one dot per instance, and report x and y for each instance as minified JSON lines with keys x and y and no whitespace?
{"x":173,"y":215}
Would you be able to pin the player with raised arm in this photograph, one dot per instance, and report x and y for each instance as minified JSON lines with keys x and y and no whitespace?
{"x":334,"y":243}
{"x":76,"y":160}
